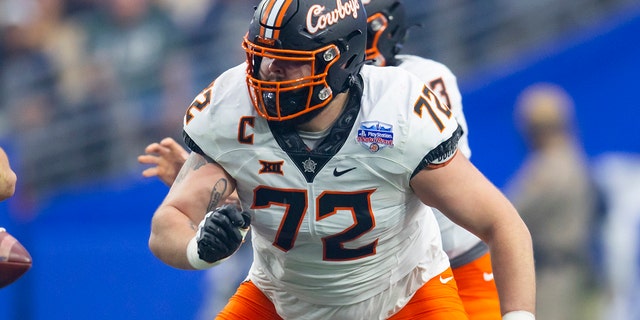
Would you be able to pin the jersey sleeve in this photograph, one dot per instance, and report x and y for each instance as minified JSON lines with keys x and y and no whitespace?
{"x":452,"y":96}
{"x":210,"y":122}
{"x":199,"y":103}
{"x":425,"y":131}
{"x":191,"y":144}
{"x":441,"y":155}
{"x":444,"y":84}
{"x":434,"y":132}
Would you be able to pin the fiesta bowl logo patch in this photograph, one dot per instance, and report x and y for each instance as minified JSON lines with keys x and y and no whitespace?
{"x":375,"y":135}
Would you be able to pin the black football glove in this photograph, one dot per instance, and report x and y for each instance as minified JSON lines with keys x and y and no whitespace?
{"x":219,"y":234}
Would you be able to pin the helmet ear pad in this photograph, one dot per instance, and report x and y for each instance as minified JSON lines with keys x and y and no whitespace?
{"x":350,"y":60}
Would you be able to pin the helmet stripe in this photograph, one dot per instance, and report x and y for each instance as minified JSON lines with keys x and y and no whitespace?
{"x":273,"y":17}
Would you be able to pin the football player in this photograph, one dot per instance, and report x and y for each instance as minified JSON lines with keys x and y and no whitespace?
{"x":468,"y":255}
{"x":333,"y":160}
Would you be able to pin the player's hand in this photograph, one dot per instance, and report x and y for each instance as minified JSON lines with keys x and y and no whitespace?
{"x":167,"y":156}
{"x":221,"y":233}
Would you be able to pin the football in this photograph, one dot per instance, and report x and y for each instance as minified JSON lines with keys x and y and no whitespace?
{"x":15,"y":260}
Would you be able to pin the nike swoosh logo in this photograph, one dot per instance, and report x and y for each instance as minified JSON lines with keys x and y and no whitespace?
{"x":445,"y":280}
{"x":487,"y":276}
{"x":339,"y":173}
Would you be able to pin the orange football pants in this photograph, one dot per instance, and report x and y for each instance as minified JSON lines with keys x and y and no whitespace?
{"x":478,"y":290}
{"x":434,"y":301}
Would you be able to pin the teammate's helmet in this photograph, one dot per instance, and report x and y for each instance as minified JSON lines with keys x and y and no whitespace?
{"x":330,"y":35}
{"x":387,"y":30}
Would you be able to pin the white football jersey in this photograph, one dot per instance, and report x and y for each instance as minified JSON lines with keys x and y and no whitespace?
{"x":338,"y":224}
{"x":456,"y":240}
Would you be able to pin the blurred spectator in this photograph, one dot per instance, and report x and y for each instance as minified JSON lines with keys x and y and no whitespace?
{"x":82,"y":111}
{"x":25,"y":73}
{"x":136,"y":52}
{"x":618,"y":175}
{"x":133,"y":39}
{"x":28,"y":101}
{"x":216,"y":39}
{"x":78,"y":93}
{"x":553,"y":192}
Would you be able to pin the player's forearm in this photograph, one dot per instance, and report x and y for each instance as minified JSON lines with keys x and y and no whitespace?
{"x":7,"y":177}
{"x":170,"y":235}
{"x":513,"y":266}
{"x":7,"y":184}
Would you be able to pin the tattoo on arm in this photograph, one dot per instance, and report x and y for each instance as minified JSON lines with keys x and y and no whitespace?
{"x":216,"y":194}
{"x":194,"y":162}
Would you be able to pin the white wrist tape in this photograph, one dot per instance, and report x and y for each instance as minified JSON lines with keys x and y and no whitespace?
{"x":518,"y":315}
{"x":194,"y":258}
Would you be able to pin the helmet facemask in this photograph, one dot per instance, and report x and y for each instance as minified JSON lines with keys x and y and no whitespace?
{"x":286,"y":99}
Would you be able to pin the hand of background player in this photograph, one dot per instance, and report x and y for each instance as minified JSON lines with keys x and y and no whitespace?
{"x":219,"y":235}
{"x":168,"y":157}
